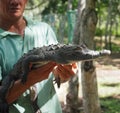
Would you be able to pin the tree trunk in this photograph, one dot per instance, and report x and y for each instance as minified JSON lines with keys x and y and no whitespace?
{"x":89,"y":88}
{"x":86,"y":24}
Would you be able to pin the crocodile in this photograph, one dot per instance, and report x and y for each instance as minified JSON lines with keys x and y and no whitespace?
{"x":59,"y":53}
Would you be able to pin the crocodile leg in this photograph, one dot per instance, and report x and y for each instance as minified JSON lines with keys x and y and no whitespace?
{"x":4,"y":88}
{"x":26,"y":62}
{"x":6,"y":84}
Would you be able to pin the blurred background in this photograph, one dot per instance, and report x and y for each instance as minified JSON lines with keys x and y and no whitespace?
{"x":62,"y":16}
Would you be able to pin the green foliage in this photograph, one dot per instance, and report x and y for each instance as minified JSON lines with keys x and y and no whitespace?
{"x":55,"y":6}
{"x":59,"y":6}
{"x":75,"y":4}
{"x":32,"y":3}
{"x":110,"y":105}
{"x":99,"y":32}
{"x":109,"y":85}
{"x":115,"y":47}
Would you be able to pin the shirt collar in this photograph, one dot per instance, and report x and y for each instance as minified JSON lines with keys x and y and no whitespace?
{"x":4,"y":33}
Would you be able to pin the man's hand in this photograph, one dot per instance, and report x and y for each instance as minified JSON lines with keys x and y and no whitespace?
{"x":62,"y":73}
{"x":39,"y":74}
{"x":36,"y":75}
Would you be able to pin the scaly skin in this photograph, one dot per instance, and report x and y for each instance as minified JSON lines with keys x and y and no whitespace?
{"x":59,"y":53}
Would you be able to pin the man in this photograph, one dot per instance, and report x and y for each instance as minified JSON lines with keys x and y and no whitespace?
{"x":18,"y":35}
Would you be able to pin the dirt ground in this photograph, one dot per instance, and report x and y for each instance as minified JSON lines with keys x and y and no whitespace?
{"x":107,"y":68}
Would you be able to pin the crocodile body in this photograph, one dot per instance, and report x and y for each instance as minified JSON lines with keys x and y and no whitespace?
{"x":59,"y":53}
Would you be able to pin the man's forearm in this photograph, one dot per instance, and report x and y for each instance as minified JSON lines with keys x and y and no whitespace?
{"x":34,"y":76}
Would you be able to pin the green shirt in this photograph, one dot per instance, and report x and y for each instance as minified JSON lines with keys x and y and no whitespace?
{"x":12,"y":47}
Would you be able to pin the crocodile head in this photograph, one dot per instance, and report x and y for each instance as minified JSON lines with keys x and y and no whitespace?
{"x":75,"y":53}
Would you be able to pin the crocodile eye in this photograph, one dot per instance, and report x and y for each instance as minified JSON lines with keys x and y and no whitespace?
{"x":78,"y":48}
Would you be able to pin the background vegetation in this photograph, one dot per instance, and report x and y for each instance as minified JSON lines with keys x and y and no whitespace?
{"x":61,"y":15}
{"x":56,"y":13}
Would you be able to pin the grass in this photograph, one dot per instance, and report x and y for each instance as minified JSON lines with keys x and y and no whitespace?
{"x":109,"y":93}
{"x":110,"y":105}
{"x":109,"y":83}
